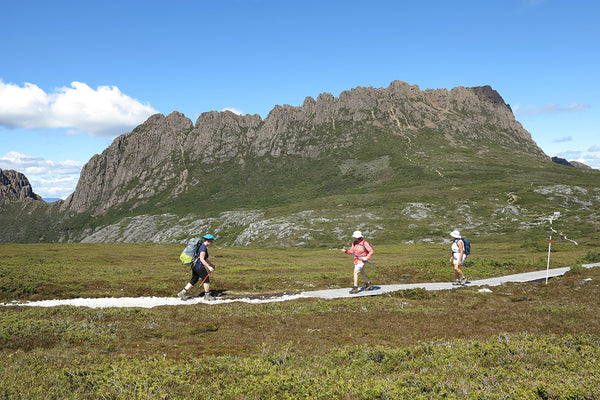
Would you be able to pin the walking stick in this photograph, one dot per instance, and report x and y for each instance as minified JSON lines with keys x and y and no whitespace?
{"x":367,"y":261}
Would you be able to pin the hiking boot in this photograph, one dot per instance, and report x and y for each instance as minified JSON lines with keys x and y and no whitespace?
{"x":456,"y":282}
{"x":183,"y":294}
{"x":208,"y":296}
{"x":354,"y":290}
{"x":463,"y":280}
{"x":368,"y":286}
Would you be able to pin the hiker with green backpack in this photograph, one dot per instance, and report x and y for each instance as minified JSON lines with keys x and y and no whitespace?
{"x":201,"y":265}
{"x":460,"y":249}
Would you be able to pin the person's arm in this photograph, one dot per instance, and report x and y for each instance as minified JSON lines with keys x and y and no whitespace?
{"x":461,"y":249}
{"x":205,"y":261}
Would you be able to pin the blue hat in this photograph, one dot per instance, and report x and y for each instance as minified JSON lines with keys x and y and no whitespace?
{"x":208,"y":237}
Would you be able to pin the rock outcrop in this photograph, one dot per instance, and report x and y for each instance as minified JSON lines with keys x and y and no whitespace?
{"x":14,"y":186}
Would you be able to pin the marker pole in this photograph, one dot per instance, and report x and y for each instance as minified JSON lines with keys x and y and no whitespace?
{"x":548,"y":265}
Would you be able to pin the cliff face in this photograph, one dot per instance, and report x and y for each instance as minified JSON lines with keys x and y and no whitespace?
{"x":155,"y":158}
{"x":14,"y":186}
{"x":145,"y":155}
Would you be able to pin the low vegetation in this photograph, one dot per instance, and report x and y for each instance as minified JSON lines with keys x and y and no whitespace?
{"x":519,"y":341}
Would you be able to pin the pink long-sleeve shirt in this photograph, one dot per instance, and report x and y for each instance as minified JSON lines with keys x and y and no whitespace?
{"x":360,"y":248}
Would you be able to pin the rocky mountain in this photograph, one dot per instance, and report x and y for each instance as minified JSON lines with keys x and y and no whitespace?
{"x":14,"y":186}
{"x":399,"y":163}
{"x":157,"y":156}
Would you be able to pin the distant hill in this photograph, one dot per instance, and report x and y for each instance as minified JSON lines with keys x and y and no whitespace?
{"x":399,"y":163}
{"x":574,"y":164}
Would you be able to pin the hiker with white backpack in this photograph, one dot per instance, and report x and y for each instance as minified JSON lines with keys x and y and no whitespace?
{"x":458,"y":257}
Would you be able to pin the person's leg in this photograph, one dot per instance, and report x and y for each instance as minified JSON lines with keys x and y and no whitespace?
{"x":460,"y":276}
{"x":368,"y":285}
{"x":194,"y":280}
{"x":183,"y":294}
{"x":205,"y":277}
{"x":463,"y":279}
{"x":357,"y":270}
{"x":457,"y":271}
{"x":190,"y":284}
{"x":457,"y":263}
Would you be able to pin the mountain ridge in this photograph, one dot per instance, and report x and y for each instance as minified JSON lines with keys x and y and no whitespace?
{"x":399,"y":163}
{"x":165,"y":142}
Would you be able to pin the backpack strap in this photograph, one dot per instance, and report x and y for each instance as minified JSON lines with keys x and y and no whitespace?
{"x":365,"y":247}
{"x":456,"y":241}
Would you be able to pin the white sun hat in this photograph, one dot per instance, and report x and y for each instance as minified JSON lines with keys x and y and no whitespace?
{"x":357,"y":235}
{"x":455,"y":234}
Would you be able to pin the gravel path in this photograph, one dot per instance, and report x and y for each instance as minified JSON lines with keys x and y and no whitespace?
{"x":150,"y":302}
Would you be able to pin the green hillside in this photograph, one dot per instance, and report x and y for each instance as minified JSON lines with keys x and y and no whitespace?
{"x":384,"y":187}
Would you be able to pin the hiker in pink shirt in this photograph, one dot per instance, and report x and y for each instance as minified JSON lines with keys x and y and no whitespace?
{"x":362,"y":251}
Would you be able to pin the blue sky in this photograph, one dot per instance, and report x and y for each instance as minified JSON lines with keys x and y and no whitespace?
{"x":76,"y":74}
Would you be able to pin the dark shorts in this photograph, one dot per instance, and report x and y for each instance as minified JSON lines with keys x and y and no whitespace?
{"x":199,"y":272}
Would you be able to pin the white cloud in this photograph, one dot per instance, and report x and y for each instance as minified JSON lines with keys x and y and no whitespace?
{"x":47,"y":178}
{"x":592,"y":157}
{"x":563,"y":139}
{"x":570,"y":154}
{"x":233,"y":110}
{"x":104,"y":112}
{"x":548,"y":109}
{"x":53,"y":188}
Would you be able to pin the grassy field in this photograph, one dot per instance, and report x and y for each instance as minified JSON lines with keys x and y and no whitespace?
{"x":521,"y":341}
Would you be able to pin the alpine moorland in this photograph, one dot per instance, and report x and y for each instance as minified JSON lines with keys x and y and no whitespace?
{"x":516,"y":341}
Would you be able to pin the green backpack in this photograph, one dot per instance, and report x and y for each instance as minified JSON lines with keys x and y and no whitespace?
{"x":187,"y":255}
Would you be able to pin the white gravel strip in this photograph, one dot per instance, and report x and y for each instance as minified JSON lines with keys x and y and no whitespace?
{"x":150,"y":302}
